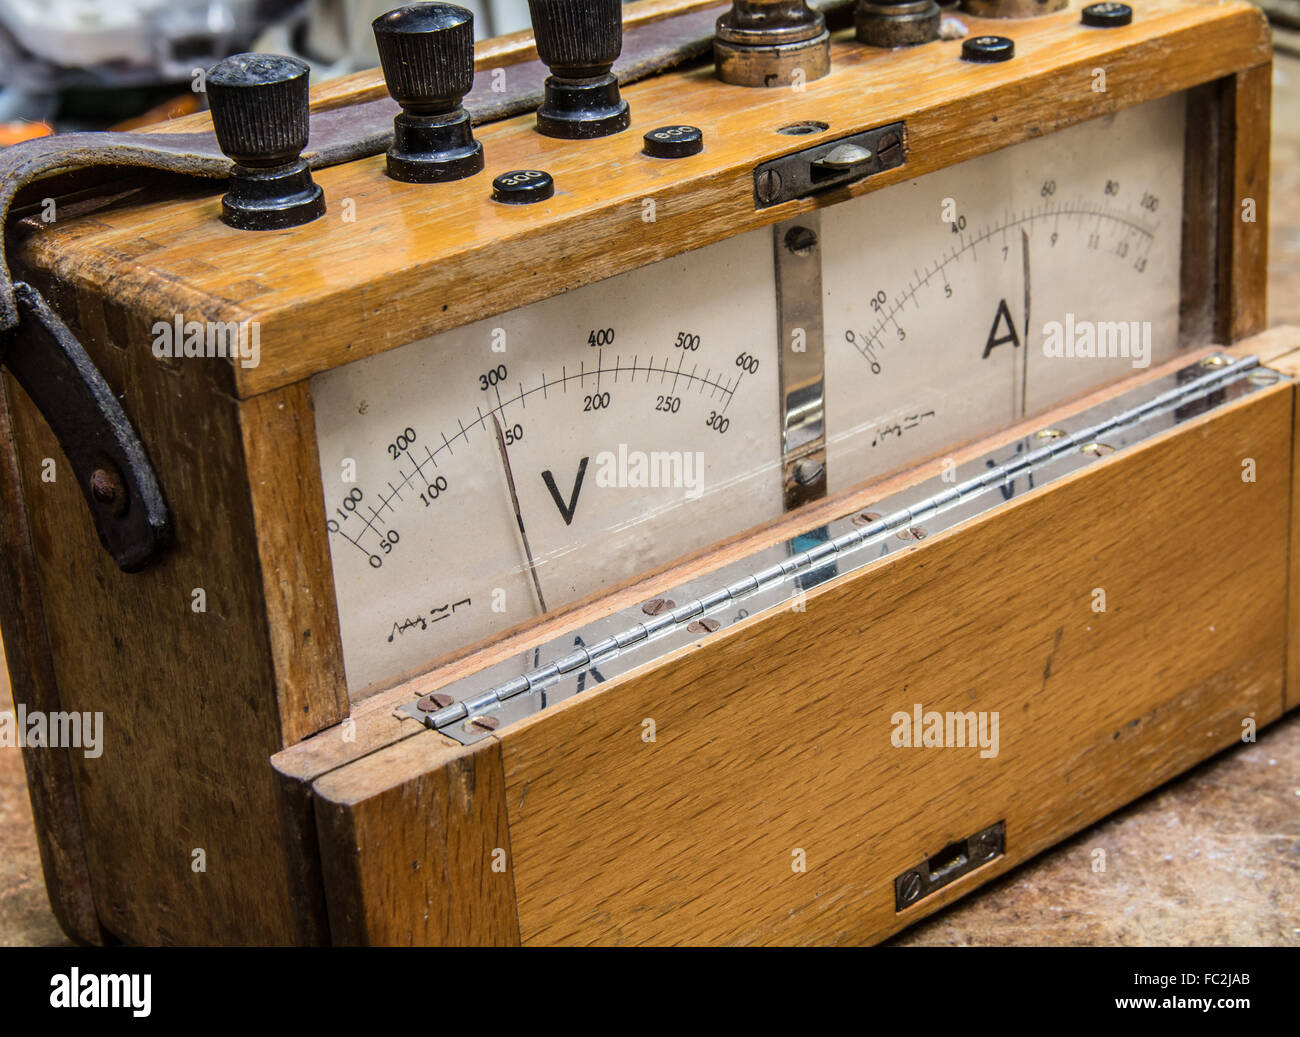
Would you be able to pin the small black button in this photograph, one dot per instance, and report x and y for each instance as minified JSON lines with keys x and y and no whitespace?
{"x":987,"y":48}
{"x":674,"y":142}
{"x":1107,"y":15}
{"x":521,"y":186}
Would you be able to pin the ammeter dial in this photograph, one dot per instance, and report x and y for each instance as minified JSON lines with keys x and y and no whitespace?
{"x":941,"y":293}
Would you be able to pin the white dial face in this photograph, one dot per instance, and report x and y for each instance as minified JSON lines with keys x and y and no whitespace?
{"x":482,"y":477}
{"x":478,"y":478}
{"x":941,"y":293}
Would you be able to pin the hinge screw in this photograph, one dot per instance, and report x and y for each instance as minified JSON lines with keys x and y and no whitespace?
{"x":865,"y":518}
{"x":655,"y":606}
{"x":434,"y":701}
{"x":703,"y":626}
{"x":485,"y":723}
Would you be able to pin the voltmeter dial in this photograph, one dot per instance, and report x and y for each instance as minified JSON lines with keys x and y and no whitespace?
{"x":482,"y":477}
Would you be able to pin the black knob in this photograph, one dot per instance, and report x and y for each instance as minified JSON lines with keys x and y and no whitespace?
{"x":427,"y":51}
{"x":579,"y":41}
{"x":259,"y":113}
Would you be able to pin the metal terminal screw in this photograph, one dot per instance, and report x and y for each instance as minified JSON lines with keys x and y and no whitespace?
{"x":808,"y":471}
{"x":107,"y":488}
{"x":801,"y":240}
{"x":655,"y":606}
{"x":768,"y":186}
{"x":909,"y":887}
{"x":433,"y":702}
{"x":703,"y":626}
{"x":865,"y":518}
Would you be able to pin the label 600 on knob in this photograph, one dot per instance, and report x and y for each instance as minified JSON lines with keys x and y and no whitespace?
{"x":674,"y":142}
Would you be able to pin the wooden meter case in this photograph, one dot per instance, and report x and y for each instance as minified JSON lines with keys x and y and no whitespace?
{"x":753,"y":495}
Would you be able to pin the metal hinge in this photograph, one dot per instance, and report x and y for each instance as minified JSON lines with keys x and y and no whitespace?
{"x":112,"y":469}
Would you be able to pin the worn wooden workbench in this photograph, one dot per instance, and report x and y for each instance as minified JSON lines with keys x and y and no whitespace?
{"x":1211,"y":858}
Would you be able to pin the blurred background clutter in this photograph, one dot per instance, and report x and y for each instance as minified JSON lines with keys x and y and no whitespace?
{"x":118,"y":64}
{"x":99,"y":64}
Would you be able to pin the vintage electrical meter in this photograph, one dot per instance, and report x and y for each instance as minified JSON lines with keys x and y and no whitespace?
{"x":738,"y":474}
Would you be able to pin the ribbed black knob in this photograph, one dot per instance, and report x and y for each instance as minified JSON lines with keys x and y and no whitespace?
{"x":259,"y":113}
{"x":427,"y":51}
{"x":579,"y":40}
{"x":259,"y":108}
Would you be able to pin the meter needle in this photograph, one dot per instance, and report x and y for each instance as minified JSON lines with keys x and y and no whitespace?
{"x":519,"y":517}
{"x":1024,"y":359}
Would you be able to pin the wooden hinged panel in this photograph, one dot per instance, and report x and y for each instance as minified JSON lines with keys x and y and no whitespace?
{"x":772,"y":740}
{"x":760,"y":755}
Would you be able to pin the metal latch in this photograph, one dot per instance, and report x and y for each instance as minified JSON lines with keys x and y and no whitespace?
{"x":97,"y":438}
{"x":950,"y":863}
{"x":832,"y":163}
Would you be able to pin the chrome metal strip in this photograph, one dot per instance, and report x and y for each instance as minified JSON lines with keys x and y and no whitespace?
{"x":778,"y":576}
{"x":796,"y":246}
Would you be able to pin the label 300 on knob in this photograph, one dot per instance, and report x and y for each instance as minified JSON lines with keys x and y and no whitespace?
{"x":522,"y":186}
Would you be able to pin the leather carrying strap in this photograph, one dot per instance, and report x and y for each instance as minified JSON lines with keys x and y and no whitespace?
{"x":338,"y":134}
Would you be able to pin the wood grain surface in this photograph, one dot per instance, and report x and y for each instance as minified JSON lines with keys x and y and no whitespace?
{"x":50,"y":777}
{"x":279,"y":439}
{"x":188,"y":697}
{"x":1245,"y":310}
{"x":448,"y":879}
{"x":690,"y":839}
